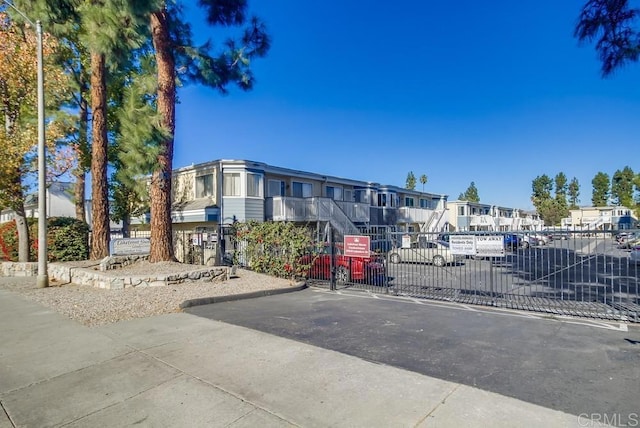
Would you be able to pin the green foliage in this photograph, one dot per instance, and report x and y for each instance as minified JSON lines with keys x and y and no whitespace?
{"x":560,"y":181}
{"x":611,"y":24}
{"x":67,"y":240}
{"x":471,"y":194}
{"x":622,"y":185}
{"x":552,"y":211}
{"x":411,"y":181}
{"x":423,"y":180}
{"x":573,"y":192}
{"x":273,"y":248}
{"x":600,"y":196}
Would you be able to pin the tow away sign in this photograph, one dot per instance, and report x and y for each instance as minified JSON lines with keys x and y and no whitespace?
{"x":490,"y":245}
{"x":357,"y":246}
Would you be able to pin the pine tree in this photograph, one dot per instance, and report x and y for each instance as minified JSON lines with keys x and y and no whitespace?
{"x":600,"y":196}
{"x":573,"y":193}
{"x":175,"y":51}
{"x":411,"y":181}
{"x":471,"y":194}
{"x":622,"y":187}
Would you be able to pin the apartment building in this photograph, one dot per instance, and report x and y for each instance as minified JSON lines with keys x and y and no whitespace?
{"x":221,"y":192}
{"x":466,"y":216}
{"x":600,"y":218}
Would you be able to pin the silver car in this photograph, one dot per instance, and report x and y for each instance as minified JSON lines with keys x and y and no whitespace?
{"x":424,"y":251}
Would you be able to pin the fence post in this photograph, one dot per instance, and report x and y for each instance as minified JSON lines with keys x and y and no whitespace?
{"x":332,"y":265}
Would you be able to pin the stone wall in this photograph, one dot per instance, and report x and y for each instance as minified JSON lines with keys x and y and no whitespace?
{"x":18,"y":269}
{"x":109,"y":277}
{"x":84,"y":276}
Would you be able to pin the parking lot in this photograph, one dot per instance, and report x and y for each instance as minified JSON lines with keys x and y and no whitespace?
{"x":583,"y":275}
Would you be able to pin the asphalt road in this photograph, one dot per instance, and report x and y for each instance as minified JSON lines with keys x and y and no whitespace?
{"x":576,"y":366}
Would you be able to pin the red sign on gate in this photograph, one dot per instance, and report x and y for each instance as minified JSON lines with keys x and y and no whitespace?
{"x":357,"y":246}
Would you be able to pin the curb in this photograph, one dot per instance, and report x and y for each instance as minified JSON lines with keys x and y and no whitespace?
{"x":231,"y":297}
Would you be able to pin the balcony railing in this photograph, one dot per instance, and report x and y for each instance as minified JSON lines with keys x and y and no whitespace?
{"x":415,"y":215}
{"x":286,"y":208}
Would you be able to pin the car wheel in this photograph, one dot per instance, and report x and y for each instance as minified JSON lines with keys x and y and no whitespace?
{"x":394,"y":258}
{"x":343,"y":275}
{"x":525,"y":244}
{"x":438,"y":261}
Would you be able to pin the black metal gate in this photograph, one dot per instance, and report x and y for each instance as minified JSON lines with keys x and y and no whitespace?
{"x":586,"y":273}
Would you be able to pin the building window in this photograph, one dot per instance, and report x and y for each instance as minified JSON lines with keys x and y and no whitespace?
{"x":382,"y":200}
{"x":461,"y":210}
{"x":254,"y":185}
{"x":276,"y":188}
{"x":301,"y":190}
{"x":348,"y":195}
{"x":408,"y":202}
{"x":334,"y":193}
{"x":361,"y":196}
{"x":231,"y":184}
{"x":204,"y":186}
{"x":424,"y":203}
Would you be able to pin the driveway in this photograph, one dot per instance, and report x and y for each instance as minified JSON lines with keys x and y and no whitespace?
{"x":576,"y":366}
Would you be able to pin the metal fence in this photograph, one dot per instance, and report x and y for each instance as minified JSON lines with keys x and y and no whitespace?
{"x":192,"y":247}
{"x":586,"y":273}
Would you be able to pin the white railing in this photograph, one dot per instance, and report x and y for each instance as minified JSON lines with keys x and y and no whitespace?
{"x":284,"y":208}
{"x":415,"y":215}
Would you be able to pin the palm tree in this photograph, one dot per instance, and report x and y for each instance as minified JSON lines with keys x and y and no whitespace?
{"x":423,"y":180}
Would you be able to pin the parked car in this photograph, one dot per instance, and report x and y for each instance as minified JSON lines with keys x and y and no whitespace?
{"x":629,"y":243}
{"x":371,"y":270}
{"x":424,"y":251}
{"x":527,"y":240}
{"x":625,"y":239}
{"x":542,"y":238}
{"x":512,"y":241}
{"x":634,"y":255}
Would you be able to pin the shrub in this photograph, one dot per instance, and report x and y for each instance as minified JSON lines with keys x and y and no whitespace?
{"x":9,"y":241}
{"x":67,"y":240}
{"x":273,"y":248}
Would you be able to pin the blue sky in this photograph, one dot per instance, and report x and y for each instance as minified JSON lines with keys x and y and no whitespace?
{"x":492,"y":92}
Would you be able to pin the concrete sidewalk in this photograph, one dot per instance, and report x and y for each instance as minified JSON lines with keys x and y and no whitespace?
{"x":181,"y":370}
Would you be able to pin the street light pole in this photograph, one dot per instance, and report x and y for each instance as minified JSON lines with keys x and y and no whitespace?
{"x":43,"y":276}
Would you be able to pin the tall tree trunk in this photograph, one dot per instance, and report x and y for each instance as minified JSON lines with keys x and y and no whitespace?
{"x":79,"y":193}
{"x":21,"y":225}
{"x":81,"y":171}
{"x":161,"y":236}
{"x":126,"y":222}
{"x":99,"y":194}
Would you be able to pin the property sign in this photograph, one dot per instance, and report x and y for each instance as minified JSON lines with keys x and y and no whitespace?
{"x":462,"y":244}
{"x":490,"y":246}
{"x":129,"y":246}
{"x":357,"y":246}
{"x":406,"y":241}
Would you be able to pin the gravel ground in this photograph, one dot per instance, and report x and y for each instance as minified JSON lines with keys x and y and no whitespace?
{"x":95,"y":306}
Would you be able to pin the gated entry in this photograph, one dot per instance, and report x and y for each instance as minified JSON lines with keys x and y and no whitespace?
{"x":583,"y":274}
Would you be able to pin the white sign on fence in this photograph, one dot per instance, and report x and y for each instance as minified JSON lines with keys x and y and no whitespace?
{"x":490,"y":246}
{"x":462,"y":244}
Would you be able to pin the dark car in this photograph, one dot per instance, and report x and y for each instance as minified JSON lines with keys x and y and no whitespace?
{"x":512,"y":241}
{"x":370,"y":270}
